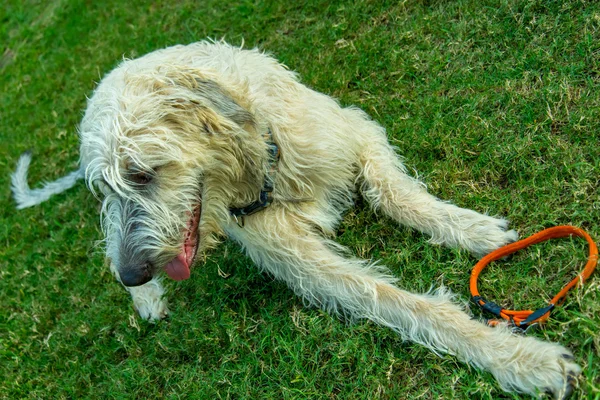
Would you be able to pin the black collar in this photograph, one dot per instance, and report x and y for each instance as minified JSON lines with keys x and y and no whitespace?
{"x":266,"y":194}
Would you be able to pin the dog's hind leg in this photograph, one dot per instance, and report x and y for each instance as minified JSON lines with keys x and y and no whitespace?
{"x":288,"y":248}
{"x":389,"y":188}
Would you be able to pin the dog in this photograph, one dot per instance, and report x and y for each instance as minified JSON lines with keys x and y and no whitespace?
{"x":189,"y":144}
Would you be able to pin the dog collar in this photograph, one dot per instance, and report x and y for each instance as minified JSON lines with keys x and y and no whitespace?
{"x":266,"y":194}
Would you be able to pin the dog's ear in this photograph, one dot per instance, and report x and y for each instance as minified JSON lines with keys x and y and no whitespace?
{"x":203,"y":91}
{"x":222,"y":102}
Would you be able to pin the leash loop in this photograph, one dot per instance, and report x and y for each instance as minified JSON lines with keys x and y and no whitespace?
{"x":525,"y":318}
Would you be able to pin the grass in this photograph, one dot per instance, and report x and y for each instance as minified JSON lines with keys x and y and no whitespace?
{"x":496,"y":104}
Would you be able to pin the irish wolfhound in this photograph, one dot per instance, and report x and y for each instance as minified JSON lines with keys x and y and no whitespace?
{"x":191,"y":143}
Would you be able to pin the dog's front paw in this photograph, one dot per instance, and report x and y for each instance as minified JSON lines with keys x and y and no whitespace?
{"x":148,"y":300}
{"x":538,"y":368}
{"x":153,"y":311}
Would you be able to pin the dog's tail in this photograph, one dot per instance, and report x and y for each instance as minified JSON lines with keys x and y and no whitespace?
{"x":26,"y":197}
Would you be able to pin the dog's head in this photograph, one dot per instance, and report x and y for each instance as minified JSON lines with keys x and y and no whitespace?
{"x":170,"y":150}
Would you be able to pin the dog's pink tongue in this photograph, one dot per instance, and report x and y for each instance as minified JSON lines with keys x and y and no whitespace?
{"x":178,"y":269}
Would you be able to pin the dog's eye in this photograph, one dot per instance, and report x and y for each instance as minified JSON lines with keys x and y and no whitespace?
{"x":141,"y":177}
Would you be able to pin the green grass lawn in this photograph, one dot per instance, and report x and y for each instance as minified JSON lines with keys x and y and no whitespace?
{"x":495,"y":103}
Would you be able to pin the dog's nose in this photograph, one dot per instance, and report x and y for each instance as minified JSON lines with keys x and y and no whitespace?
{"x":136,"y":275}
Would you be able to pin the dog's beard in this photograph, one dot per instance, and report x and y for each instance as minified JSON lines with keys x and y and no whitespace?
{"x":179,"y":268}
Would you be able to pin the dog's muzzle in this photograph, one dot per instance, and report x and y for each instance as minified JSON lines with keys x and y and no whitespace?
{"x":135,"y":265}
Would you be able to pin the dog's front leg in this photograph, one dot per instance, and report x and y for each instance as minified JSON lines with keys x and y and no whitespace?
{"x":148,"y":298}
{"x":287,"y":247}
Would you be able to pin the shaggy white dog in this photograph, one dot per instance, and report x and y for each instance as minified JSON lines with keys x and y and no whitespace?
{"x":191,"y":143}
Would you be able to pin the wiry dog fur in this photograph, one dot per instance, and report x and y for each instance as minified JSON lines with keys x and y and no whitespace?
{"x":183,"y":129}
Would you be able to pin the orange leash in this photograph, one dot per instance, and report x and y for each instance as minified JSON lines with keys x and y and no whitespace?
{"x":525,"y":318}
